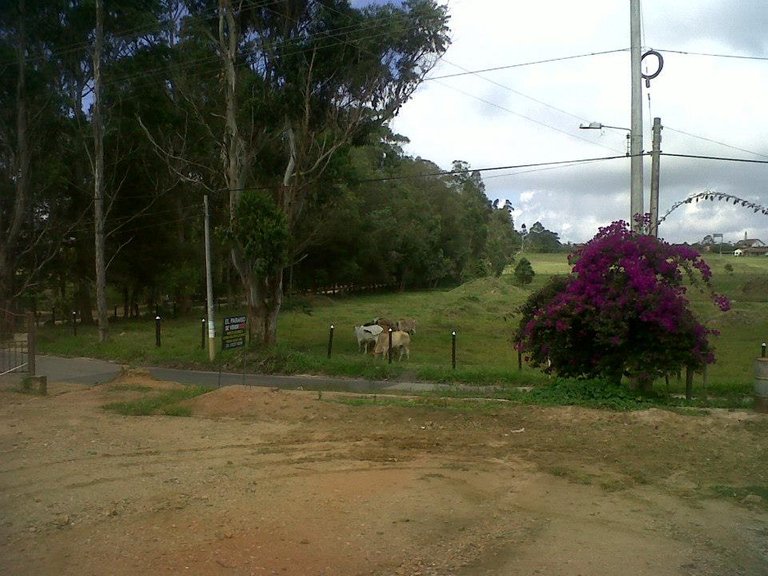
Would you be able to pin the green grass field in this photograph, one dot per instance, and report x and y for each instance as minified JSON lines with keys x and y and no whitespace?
{"x":480,"y":312}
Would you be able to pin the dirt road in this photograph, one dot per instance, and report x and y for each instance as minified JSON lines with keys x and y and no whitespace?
{"x":260,"y":481}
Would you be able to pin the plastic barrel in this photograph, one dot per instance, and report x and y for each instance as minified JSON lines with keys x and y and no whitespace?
{"x":761,"y":385}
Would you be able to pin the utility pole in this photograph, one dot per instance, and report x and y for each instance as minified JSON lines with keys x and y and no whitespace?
{"x":655,"y":158}
{"x":636,"y":133}
{"x":209,"y":285}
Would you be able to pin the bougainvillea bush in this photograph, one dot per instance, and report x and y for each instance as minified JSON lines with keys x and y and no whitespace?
{"x":622,"y":311}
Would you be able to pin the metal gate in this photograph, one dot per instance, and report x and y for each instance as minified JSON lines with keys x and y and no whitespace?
{"x":17,"y":352}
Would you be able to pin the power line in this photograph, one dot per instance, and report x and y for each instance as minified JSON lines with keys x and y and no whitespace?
{"x":494,"y":168}
{"x":720,"y":158}
{"x":715,"y":142}
{"x":521,"y":64}
{"x":544,"y":165}
{"x":500,"y":85}
{"x":712,"y":55}
{"x":539,"y":122}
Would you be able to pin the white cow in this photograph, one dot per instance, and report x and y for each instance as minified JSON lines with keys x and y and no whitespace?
{"x":401,"y":341}
{"x":367,"y":335}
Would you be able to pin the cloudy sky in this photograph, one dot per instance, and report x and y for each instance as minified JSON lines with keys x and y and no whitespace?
{"x":561,"y":63}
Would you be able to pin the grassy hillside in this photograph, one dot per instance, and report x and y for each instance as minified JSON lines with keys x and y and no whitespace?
{"x":480,"y":312}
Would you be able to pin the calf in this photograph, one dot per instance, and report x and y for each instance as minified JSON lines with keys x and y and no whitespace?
{"x":401,"y":341}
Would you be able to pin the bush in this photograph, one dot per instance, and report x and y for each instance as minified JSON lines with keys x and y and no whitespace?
{"x":622,"y":310}
{"x":524,"y":272}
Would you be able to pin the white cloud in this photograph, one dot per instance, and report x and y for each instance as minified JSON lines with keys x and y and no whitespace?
{"x":531,"y":114}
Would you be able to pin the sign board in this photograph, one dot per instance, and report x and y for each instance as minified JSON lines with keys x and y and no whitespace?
{"x":234,"y":332}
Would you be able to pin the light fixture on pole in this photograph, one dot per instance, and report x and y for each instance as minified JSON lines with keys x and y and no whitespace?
{"x":600,"y":126}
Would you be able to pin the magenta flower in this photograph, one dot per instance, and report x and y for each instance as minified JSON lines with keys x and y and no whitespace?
{"x":622,"y":308}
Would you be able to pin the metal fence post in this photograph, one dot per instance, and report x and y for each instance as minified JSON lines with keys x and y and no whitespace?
{"x":31,"y":346}
{"x":453,"y":349}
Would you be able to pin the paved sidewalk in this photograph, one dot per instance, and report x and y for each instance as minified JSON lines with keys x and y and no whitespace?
{"x":90,"y":371}
{"x":76,"y":370}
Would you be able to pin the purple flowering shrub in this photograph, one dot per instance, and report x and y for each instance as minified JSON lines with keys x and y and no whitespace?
{"x":622,"y":310}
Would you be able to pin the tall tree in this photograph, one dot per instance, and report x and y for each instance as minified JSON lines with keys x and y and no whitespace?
{"x":502,"y":239}
{"x":31,"y":163}
{"x":301,"y":82}
{"x":97,"y":122}
{"x":539,"y":239}
{"x":469,"y":186}
{"x":17,"y":158}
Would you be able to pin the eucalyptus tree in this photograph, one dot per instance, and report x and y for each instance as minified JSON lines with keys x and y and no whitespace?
{"x":15,"y":140}
{"x":301,"y":82}
{"x":503,"y":240}
{"x":468,"y":185}
{"x":32,"y":164}
{"x":539,"y":239}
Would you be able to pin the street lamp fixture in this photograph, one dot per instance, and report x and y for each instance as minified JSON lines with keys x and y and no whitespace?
{"x":599,"y":126}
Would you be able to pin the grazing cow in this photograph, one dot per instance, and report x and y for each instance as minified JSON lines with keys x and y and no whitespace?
{"x":407,"y":325}
{"x":386,"y":323}
{"x":366,"y":334}
{"x":401,"y":342}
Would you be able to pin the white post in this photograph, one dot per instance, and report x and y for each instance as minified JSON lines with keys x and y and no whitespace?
{"x":655,"y":159}
{"x":636,"y":134}
{"x":209,"y":286}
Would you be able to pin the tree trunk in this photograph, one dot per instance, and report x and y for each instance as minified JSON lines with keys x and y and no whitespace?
{"x":265,"y":297}
{"x":98,"y":180}
{"x":642,"y":383}
{"x":126,"y":305}
{"x":82,"y":303}
{"x":12,"y":230}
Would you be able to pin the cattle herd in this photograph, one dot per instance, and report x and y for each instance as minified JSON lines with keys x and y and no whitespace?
{"x":380,"y":334}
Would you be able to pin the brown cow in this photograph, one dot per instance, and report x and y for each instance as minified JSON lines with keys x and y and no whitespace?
{"x":386,"y":323}
{"x":407,"y":325}
{"x":401,"y":341}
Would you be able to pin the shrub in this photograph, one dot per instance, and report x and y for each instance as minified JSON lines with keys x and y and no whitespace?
{"x":622,"y":310}
{"x":524,"y":272}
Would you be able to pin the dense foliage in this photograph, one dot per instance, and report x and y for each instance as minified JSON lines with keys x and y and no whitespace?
{"x":622,"y":310}
{"x":296,"y":96}
{"x":524,"y":272}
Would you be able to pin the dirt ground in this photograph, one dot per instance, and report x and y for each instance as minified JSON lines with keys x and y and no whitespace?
{"x":264,"y":482}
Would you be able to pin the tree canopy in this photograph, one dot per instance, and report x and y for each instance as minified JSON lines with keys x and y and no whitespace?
{"x":256,"y":104}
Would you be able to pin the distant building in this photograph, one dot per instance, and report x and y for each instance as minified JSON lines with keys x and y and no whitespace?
{"x":751,"y":247}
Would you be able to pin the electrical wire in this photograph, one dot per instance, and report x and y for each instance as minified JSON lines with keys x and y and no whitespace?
{"x":714,"y":55}
{"x":720,"y":158}
{"x":505,"y":87}
{"x":539,"y":122}
{"x":718,"y":142}
{"x":495,"y":168}
{"x":521,"y":64}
